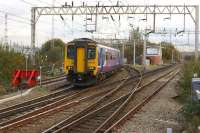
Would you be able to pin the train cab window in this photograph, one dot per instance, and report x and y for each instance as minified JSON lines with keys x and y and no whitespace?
{"x":70,"y":51}
{"x":91,"y":53}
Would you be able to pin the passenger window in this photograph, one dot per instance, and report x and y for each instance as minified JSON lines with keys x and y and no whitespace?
{"x":70,"y":52}
{"x":91,"y":53}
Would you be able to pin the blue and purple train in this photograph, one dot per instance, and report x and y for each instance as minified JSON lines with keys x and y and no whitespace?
{"x":86,"y":61}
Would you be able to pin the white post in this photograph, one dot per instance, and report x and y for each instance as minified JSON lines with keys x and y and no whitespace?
{"x":33,"y":25}
{"x":52,"y":27}
{"x":134,"y":53}
{"x":123,"y":52}
{"x":161,"y":53}
{"x":144,"y":50}
{"x":172,"y":56}
{"x":26,"y":64}
{"x":40,"y":76}
{"x":196,"y":32}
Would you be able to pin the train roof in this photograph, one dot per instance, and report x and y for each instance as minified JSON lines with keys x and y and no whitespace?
{"x":83,"y":40}
{"x":92,"y":41}
{"x":103,"y":46}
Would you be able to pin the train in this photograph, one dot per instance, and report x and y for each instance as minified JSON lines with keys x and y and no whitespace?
{"x":86,"y":61}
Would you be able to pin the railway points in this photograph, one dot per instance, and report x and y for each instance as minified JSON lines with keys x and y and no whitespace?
{"x":67,"y":98}
{"x":91,"y":122}
{"x":157,"y":118}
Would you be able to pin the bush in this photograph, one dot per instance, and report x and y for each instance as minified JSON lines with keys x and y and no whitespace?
{"x":9,"y":61}
{"x":191,"y":109}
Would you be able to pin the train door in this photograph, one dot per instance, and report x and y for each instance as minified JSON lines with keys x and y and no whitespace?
{"x":80,"y":59}
{"x":102,"y":58}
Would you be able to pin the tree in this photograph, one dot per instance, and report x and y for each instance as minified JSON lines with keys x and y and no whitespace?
{"x":52,"y":54}
{"x":136,"y":36}
{"x":167,"y":49}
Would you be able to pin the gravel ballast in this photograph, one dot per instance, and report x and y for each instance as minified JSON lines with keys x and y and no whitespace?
{"x":157,"y":115}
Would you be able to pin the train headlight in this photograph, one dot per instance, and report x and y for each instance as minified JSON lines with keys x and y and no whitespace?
{"x":91,"y":68}
{"x":69,"y":67}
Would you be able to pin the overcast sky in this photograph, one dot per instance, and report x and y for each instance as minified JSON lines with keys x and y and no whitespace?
{"x":19,"y":22}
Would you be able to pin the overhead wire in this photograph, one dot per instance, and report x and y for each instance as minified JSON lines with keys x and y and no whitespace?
{"x":44,"y":2}
{"x":12,"y":14}
{"x":19,"y":19}
{"x":28,"y":3}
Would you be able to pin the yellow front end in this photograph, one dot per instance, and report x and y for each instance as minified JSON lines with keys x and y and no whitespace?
{"x":81,"y":62}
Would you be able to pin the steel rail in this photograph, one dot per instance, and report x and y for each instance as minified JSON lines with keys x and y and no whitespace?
{"x":120,"y":110}
{"x":134,"y":110}
{"x":85,"y":111}
{"x":42,"y":100}
{"x":110,"y":105}
{"x":25,"y":118}
{"x":30,"y":104}
{"x":70,"y":104}
{"x":35,"y":100}
{"x":47,"y":110}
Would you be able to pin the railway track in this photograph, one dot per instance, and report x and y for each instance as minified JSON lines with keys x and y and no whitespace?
{"x":59,"y":105}
{"x":132,"y":107}
{"x":54,"y":79}
{"x":41,"y":101}
{"x":135,"y":101}
{"x":98,"y":119}
{"x":114,"y":94}
{"x":23,"y":107}
{"x":55,"y":83}
{"x":51,"y":81}
{"x":33,"y":103}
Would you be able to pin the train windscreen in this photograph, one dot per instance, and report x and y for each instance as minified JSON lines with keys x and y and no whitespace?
{"x":70,"y":52}
{"x":91,"y":53}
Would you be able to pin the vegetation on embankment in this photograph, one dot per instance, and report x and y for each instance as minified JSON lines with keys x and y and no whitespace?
{"x":191,"y":109}
{"x":46,"y":56}
{"x":9,"y":61}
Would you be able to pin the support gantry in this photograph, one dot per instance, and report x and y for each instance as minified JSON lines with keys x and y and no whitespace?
{"x":191,"y":10}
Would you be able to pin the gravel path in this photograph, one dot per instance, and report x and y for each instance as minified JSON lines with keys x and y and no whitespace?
{"x":156,"y":116}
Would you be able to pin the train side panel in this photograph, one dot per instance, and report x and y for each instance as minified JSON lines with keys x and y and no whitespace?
{"x":109,"y":59}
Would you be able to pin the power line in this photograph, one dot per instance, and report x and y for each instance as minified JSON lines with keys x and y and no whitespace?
{"x":28,"y":3}
{"x":20,"y":21}
{"x":59,"y":3}
{"x":44,"y":2}
{"x":12,"y":14}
